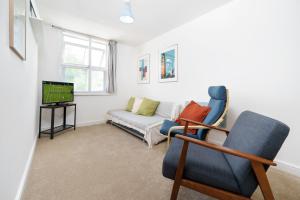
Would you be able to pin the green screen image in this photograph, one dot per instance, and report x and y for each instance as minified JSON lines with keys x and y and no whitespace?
{"x":56,"y":92}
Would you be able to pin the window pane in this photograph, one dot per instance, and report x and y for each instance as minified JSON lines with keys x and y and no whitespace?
{"x":79,"y":77}
{"x":76,"y":40}
{"x":76,"y":55}
{"x":97,"y":58}
{"x":97,"y":81}
{"x":99,"y":45}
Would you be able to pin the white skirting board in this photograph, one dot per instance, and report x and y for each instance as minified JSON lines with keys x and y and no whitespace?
{"x":26,"y":171}
{"x":288,"y":167}
{"x":90,"y":123}
{"x":82,"y":124}
{"x":281,"y":165}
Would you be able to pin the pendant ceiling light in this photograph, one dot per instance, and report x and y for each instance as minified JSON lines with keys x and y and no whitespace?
{"x":126,"y":15}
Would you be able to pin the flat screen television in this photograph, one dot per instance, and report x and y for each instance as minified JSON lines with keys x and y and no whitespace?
{"x":57,"y":92}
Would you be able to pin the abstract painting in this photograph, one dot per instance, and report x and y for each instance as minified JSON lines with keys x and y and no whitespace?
{"x":144,"y":69}
{"x":168,"y":64}
{"x":17,"y":27}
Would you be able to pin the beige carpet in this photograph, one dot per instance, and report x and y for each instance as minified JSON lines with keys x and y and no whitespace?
{"x":103,"y":162}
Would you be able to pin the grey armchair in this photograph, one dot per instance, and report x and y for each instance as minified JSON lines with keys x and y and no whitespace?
{"x":231,"y":171}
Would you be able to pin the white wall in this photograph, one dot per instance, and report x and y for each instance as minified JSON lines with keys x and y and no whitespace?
{"x":250,"y":46}
{"x":18,"y":100}
{"x":90,"y":109}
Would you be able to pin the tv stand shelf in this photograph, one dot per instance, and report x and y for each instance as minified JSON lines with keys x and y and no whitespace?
{"x":55,"y":129}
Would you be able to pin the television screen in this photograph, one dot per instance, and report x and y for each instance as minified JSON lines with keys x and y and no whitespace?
{"x":57,"y":92}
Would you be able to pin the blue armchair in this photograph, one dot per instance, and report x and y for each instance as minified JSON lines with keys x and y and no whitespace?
{"x":219,"y":106}
{"x":231,"y":171}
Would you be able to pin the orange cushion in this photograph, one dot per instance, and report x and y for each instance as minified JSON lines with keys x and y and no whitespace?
{"x":195,"y":112}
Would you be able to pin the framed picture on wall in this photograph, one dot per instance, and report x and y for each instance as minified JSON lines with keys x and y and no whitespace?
{"x":168,"y":64}
{"x":144,"y":69}
{"x":17,"y":27}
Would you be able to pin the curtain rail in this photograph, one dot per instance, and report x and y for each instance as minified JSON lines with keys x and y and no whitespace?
{"x":77,"y":32}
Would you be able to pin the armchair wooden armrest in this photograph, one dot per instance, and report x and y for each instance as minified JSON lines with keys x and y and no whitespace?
{"x":227,"y":150}
{"x":205,"y":125}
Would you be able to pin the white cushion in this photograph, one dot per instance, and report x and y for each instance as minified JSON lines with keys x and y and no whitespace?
{"x":137,"y":104}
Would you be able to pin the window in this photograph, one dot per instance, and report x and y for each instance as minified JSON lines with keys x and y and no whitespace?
{"x":85,"y":63}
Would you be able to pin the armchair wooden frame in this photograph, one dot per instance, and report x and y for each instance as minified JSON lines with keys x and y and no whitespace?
{"x":201,"y":125}
{"x":257,"y":164}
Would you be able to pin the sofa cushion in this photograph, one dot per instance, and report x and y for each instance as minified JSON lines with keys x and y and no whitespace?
{"x":130,"y":104}
{"x":202,"y":165}
{"x":166,"y":109}
{"x":139,"y":121}
{"x":137,"y":104}
{"x":195,"y":112}
{"x":148,"y":107}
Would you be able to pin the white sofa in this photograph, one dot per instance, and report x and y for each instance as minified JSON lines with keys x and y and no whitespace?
{"x":145,"y":127}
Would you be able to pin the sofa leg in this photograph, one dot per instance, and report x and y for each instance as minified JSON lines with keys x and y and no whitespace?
{"x":179,"y":171}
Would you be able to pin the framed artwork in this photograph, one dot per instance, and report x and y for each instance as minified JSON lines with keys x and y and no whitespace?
{"x":17,"y":27}
{"x":144,"y":69}
{"x":168,"y":64}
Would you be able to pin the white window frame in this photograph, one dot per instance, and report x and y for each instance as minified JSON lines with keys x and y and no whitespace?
{"x":88,"y":67}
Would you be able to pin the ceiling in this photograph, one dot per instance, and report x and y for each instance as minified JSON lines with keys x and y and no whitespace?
{"x":101,"y":17}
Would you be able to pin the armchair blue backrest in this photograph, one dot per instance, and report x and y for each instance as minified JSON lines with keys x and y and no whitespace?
{"x":255,"y":134}
{"x":217,"y":104}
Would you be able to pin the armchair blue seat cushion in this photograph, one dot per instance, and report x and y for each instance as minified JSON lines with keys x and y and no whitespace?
{"x":202,"y":165}
{"x":167,"y":124}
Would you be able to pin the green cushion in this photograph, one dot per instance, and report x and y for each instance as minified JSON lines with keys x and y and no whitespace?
{"x":148,"y":107}
{"x":130,"y":104}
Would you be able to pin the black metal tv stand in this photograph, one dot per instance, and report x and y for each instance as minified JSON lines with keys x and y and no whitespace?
{"x":56,"y":129}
